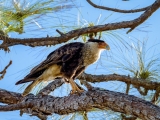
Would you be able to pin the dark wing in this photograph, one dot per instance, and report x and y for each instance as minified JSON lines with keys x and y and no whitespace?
{"x":59,"y":55}
{"x":64,"y":53}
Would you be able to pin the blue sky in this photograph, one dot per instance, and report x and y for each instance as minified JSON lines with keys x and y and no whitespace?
{"x":24,"y":58}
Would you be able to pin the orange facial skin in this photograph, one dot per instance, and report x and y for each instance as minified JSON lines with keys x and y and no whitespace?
{"x":103,"y":45}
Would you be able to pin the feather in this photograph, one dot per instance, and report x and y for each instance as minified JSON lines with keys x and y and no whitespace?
{"x":24,"y":81}
{"x":68,"y":62}
{"x":59,"y":56}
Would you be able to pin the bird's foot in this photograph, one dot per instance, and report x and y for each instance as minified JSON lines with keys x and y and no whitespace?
{"x":76,"y":89}
{"x":79,"y":91}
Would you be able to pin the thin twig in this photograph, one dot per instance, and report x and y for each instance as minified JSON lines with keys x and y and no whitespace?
{"x":51,"y":87}
{"x":156,"y":95}
{"x":88,"y":86}
{"x":118,"y":10}
{"x":60,"y":32}
{"x":3,"y":72}
{"x":142,"y":91}
{"x":128,"y":88}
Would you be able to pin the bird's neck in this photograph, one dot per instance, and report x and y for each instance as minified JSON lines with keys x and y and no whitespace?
{"x":90,"y":54}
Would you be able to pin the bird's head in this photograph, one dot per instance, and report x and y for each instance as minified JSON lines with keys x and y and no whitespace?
{"x":100,"y":43}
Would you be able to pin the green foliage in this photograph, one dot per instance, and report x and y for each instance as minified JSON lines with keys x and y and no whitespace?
{"x":146,"y":69}
{"x":13,"y":16}
{"x":85,"y":23}
{"x":138,"y":62}
{"x":90,"y":35}
{"x":144,"y":74}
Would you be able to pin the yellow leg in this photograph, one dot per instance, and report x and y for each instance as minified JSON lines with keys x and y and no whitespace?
{"x":75,"y":88}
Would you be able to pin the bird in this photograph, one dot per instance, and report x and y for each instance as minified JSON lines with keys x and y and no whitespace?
{"x":68,"y":62}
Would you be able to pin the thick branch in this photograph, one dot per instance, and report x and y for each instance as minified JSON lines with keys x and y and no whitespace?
{"x":123,"y":78}
{"x":96,"y":98}
{"x":117,"y":10}
{"x":146,"y":14}
{"x":74,"y":33}
{"x":16,"y":106}
{"x":10,"y":97}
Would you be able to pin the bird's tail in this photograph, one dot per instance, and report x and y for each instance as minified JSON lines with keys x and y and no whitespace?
{"x":24,"y":81}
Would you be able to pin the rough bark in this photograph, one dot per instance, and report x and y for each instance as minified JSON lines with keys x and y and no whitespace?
{"x":86,"y":101}
{"x":9,"y":97}
{"x":150,"y":85}
{"x":136,"y":82}
{"x":44,"y":104}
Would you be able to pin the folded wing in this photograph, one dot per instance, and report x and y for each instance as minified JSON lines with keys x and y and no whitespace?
{"x":59,"y":56}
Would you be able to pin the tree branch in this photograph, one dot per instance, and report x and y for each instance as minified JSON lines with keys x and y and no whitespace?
{"x":10,"y":97}
{"x":156,"y":95}
{"x":128,"y":88}
{"x":3,"y":72}
{"x":16,"y":106}
{"x":51,"y":87}
{"x":117,"y":10}
{"x":146,"y":14}
{"x":95,"y":98}
{"x":141,"y":91}
{"x":149,"y":85}
{"x":60,"y":32}
{"x":124,"y":117}
{"x":74,"y":33}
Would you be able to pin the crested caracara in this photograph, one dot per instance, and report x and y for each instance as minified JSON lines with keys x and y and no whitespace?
{"x":68,"y":62}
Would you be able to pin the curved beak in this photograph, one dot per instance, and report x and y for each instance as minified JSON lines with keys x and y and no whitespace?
{"x":104,"y":46}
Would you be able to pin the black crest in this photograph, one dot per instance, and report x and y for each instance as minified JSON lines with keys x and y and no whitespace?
{"x":95,"y":40}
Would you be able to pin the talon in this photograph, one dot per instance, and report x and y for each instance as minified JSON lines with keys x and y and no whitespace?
{"x":75,"y":88}
{"x":76,"y":92}
{"x":80,"y":91}
{"x":72,"y":92}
